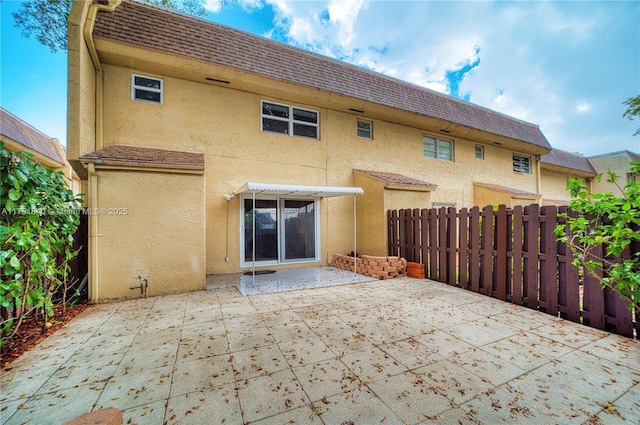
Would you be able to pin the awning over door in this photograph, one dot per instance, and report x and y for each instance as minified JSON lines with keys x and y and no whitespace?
{"x":299,"y":190}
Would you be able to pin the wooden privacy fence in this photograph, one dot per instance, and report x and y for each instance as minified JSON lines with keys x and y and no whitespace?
{"x":509,"y":254}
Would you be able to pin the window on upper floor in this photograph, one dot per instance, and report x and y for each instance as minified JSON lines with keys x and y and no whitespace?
{"x":521,"y":164}
{"x":365,"y":129}
{"x":479,"y":152}
{"x":146,"y":89}
{"x":631,"y":177}
{"x":437,"y":148}
{"x":284,"y":119}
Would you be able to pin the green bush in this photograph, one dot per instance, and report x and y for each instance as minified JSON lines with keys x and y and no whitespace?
{"x":39,"y":216}
{"x":610,"y":221}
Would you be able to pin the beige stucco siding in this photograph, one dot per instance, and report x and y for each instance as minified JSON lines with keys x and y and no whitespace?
{"x":224,"y":124}
{"x":81,"y":90}
{"x":150,"y":224}
{"x":616,"y":163}
{"x":554,"y":188}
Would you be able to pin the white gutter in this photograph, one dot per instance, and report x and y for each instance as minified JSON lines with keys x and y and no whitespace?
{"x":93,"y":176}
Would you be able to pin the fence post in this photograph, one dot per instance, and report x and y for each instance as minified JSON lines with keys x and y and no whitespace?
{"x":433,"y":242}
{"x":532,"y":213}
{"x":424,"y":225}
{"x":463,"y":248}
{"x":501,"y":243}
{"x":452,"y":251}
{"x":486,"y":257}
{"x":516,"y":255}
{"x":474,"y":246}
{"x":549,"y":259}
{"x":392,"y":235}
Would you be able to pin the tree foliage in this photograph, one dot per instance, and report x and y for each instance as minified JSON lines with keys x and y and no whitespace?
{"x":39,"y":216}
{"x":46,"y":20}
{"x":612,"y":222}
{"x":633,"y":110}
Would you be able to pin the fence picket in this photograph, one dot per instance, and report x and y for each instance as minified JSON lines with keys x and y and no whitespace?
{"x":510,"y":254}
{"x":501,"y":244}
{"x":516,"y":256}
{"x":474,"y":244}
{"x":463,"y":248}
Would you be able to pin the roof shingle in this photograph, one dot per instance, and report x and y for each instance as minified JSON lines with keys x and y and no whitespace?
{"x":136,"y":156}
{"x":568,"y":160}
{"x":15,"y":129}
{"x":398,"y":179}
{"x":150,"y":27}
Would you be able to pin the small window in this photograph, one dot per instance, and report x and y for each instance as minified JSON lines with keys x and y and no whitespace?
{"x":479,"y":152}
{"x":631,"y":177}
{"x":443,"y":204}
{"x":146,"y":89}
{"x":365,"y":129}
{"x":437,"y":148}
{"x":289,"y":120}
{"x":521,"y":164}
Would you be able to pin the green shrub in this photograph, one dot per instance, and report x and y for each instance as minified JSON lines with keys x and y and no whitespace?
{"x":610,"y":221}
{"x":39,"y":216}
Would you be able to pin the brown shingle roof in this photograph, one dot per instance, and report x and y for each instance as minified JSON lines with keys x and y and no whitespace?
{"x":511,"y":190}
{"x":153,"y":28}
{"x":135,"y":156}
{"x":568,"y":160}
{"x":398,"y":179}
{"x":15,"y":129}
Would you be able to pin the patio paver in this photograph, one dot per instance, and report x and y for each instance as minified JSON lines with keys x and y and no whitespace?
{"x":394,"y":352}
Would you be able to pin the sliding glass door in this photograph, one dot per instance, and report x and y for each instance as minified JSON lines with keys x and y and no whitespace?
{"x":285,"y":230}
{"x":299,"y":230}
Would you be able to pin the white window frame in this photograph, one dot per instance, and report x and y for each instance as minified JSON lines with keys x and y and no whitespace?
{"x":281,"y":229}
{"x":437,"y":147}
{"x":443,"y":204}
{"x":135,"y":87}
{"x":366,"y":133}
{"x":518,"y":164}
{"x":290,"y":120}
{"x":479,"y":149}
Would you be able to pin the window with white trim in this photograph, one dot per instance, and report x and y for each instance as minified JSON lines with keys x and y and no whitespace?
{"x":479,"y":152}
{"x":365,"y":129}
{"x":443,"y":204}
{"x":146,"y":89}
{"x":437,"y":148}
{"x":521,"y":164}
{"x":284,"y":119}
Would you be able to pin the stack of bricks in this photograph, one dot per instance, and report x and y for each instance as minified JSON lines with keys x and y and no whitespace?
{"x":378,"y":267}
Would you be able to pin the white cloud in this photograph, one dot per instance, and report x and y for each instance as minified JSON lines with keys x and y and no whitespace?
{"x":537,"y":60}
{"x":343,"y":14}
{"x":583,"y":106}
{"x":213,"y":6}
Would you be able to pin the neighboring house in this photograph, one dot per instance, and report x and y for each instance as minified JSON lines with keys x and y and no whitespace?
{"x":556,"y":168}
{"x":18,"y":135}
{"x":207,"y":150}
{"x":618,"y":163}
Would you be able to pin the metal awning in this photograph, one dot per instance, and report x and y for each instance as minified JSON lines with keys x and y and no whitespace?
{"x":298,"y":190}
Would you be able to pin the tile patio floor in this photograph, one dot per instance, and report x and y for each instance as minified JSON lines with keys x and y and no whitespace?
{"x":382,"y":352}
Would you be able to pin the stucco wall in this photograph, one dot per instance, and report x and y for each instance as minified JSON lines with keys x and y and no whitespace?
{"x":150,"y":224}
{"x":81,"y":88}
{"x":224,"y":124}
{"x":554,"y":187}
{"x":618,"y":164}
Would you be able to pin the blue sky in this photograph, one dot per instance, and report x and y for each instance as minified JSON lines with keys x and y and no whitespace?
{"x":566,"y":66}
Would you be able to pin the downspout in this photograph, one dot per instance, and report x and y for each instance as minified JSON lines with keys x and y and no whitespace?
{"x":88,"y":38}
{"x":99,"y":110}
{"x":538,"y":180}
{"x":93,"y":234}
